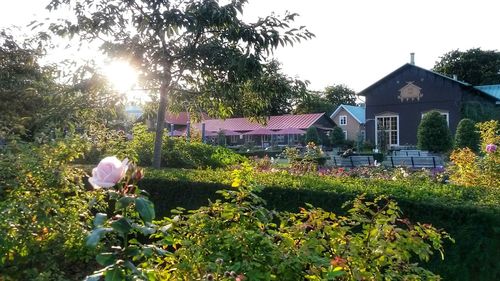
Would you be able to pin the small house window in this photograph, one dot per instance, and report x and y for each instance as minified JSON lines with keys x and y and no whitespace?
{"x":345,"y":134}
{"x":445,"y":114}
{"x":343,"y":120}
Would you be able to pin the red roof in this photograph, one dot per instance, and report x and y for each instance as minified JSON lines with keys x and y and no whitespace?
{"x":301,"y":121}
{"x":180,"y":118}
{"x":290,"y":131}
{"x":261,"y":131}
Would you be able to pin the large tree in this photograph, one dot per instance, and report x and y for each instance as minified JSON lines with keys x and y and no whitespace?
{"x":197,"y":50}
{"x":283,"y":92}
{"x":325,"y":101}
{"x":313,"y":102}
{"x":474,"y":66}
{"x":340,"y":94}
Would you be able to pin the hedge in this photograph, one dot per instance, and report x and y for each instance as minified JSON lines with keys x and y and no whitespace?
{"x":470,"y":215}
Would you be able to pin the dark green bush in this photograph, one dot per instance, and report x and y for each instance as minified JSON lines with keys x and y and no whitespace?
{"x":467,"y":135}
{"x":312,"y":136}
{"x":433,"y":133}
{"x":470,"y":215}
{"x":337,"y":137}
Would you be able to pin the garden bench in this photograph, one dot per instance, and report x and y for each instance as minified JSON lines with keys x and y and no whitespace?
{"x":352,"y":161}
{"x":414,"y":161}
{"x":410,"y":153}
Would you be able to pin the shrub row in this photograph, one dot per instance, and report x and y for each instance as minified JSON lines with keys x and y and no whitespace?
{"x":470,"y":215}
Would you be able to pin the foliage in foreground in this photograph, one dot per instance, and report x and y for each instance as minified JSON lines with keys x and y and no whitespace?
{"x":238,"y":238}
{"x":43,"y":212}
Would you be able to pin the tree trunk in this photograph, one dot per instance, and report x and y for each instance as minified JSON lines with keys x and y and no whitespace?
{"x":160,"y":124}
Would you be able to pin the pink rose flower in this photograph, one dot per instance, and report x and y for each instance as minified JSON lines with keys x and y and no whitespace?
{"x":490,"y":148}
{"x":109,"y":172}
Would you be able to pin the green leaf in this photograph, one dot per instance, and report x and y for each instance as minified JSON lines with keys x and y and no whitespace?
{"x":99,"y":219}
{"x":132,"y":250}
{"x":122,"y":225}
{"x":96,"y":236}
{"x":106,"y":259}
{"x":144,"y":229}
{"x":115,"y":274}
{"x":124,"y":202}
{"x":145,"y":208}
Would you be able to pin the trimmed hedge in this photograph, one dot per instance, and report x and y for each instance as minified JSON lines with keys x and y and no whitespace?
{"x":470,"y":215}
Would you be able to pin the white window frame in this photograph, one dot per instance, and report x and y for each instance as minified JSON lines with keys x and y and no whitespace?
{"x":444,"y":113}
{"x":345,"y":134}
{"x":397,"y":128}
{"x":343,"y":118}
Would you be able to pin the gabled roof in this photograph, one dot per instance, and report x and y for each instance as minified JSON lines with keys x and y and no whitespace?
{"x":490,"y":90}
{"x":357,"y":112}
{"x":301,"y":121}
{"x":404,"y":67}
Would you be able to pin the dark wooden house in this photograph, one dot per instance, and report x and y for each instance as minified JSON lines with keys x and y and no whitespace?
{"x":396,"y":103}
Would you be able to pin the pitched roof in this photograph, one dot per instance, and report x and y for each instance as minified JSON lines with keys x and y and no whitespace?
{"x":357,"y":112}
{"x":302,"y":121}
{"x":490,"y":90}
{"x":405,"y":66}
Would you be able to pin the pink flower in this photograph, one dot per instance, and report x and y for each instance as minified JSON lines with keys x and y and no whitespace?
{"x":490,"y":148}
{"x":109,"y":172}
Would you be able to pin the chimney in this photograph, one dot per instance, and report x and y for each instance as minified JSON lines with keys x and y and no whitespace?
{"x":412,"y":58}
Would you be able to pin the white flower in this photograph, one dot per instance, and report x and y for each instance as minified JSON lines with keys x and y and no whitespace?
{"x":108,"y":172}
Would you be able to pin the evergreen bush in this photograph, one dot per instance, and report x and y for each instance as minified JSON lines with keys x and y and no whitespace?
{"x":312,"y":136}
{"x":467,"y":135}
{"x":433,"y":133}
{"x":337,"y":137}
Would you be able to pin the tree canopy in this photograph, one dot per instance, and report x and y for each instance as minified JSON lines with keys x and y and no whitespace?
{"x":340,"y":94}
{"x":37,"y":101}
{"x":197,"y":50}
{"x":474,"y":66}
{"x":325,"y":101}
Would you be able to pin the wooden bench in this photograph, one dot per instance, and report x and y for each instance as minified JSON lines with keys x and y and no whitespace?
{"x":410,"y":153}
{"x":352,"y":161}
{"x":414,"y":161}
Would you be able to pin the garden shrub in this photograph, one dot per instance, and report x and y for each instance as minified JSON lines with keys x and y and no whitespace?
{"x":433,"y":133}
{"x":337,"y":137}
{"x":467,"y":135}
{"x":312,"y":136}
{"x":44,"y":212}
{"x":238,"y":238}
{"x":470,"y":215}
{"x":178,"y":153}
{"x":470,"y":169}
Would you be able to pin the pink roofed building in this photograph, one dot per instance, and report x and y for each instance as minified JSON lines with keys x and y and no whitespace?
{"x":293,"y":127}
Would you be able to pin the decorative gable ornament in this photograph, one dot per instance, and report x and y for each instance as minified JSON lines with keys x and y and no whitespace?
{"x":410,"y":92}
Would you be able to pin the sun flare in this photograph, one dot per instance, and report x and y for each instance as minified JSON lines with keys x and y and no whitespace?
{"x":121,"y":76}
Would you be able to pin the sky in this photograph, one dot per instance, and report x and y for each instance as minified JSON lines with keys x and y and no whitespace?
{"x":357,"y":41}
